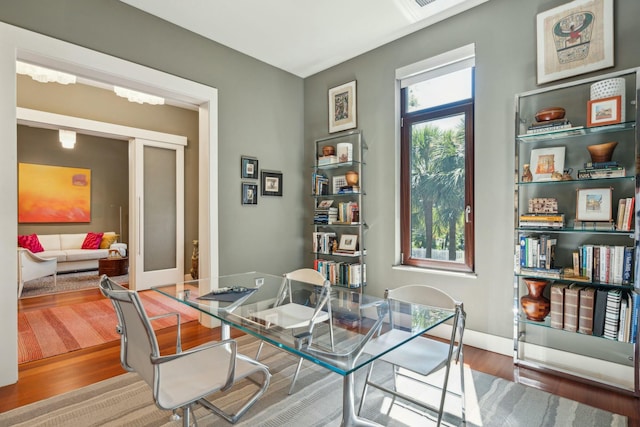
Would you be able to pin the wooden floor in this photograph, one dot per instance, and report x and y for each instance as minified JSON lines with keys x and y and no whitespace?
{"x":48,"y":377}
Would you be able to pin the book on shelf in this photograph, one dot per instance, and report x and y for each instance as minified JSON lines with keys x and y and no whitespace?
{"x":596,"y":173}
{"x":542,"y":220}
{"x":556,"y":298}
{"x":594,"y":225}
{"x":585,"y":311}
{"x":627,"y":264}
{"x":599,"y":309}
{"x":546,"y":273}
{"x":571,"y":307}
{"x":628,"y":214}
{"x":635,"y":297}
{"x":625,"y":319}
{"x":612,"y":314}
{"x":606,"y":263}
{"x":349,"y":189}
{"x":327,"y":160}
{"x":548,"y":126}
{"x":552,"y":129}
{"x":601,"y":165}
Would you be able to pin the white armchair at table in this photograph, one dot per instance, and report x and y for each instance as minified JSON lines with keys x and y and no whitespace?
{"x":32,"y":266}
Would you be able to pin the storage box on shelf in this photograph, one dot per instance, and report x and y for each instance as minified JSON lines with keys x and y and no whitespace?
{"x":337,"y":187}
{"x":575,"y":303}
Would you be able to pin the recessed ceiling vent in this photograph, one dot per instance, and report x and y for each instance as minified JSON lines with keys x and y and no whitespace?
{"x":423,"y":3}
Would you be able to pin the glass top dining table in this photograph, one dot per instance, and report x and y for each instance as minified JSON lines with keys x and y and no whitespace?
{"x":356,"y":319}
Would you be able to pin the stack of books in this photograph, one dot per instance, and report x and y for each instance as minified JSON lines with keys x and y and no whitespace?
{"x":626,"y":214}
{"x":327,"y":160}
{"x":542,"y":220}
{"x":549,"y":126}
{"x":325,"y":213}
{"x":595,"y":170}
{"x":349,"y":189}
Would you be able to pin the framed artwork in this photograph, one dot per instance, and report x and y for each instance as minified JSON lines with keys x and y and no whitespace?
{"x":348,"y":242}
{"x":574,"y":38}
{"x":53,"y":194}
{"x":249,"y":193}
{"x":546,"y":161}
{"x":248,"y":167}
{"x":271,"y":183}
{"x":605,"y":111}
{"x":593,"y":204}
{"x":342,"y":107}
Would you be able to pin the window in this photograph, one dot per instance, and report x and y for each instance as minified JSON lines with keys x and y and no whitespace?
{"x":436,"y":175}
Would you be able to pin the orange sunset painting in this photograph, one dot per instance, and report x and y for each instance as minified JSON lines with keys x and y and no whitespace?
{"x":53,"y":194}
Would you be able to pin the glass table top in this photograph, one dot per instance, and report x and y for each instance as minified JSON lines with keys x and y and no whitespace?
{"x":277,"y":312}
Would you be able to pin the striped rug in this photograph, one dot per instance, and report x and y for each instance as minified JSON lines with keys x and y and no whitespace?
{"x":51,"y":331}
{"x":126,"y":401}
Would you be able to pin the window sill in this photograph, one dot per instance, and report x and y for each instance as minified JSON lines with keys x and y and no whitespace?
{"x":434,"y":271}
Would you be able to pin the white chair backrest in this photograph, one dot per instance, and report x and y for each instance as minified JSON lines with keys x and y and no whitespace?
{"x":307,"y":275}
{"x":423,"y":294}
{"x":138,"y":343}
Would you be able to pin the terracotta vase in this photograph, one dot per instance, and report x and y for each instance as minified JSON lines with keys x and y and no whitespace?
{"x":534,"y":305}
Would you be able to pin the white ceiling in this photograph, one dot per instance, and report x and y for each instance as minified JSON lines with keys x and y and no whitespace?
{"x":303,"y":37}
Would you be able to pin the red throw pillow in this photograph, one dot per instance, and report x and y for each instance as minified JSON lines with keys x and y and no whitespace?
{"x":92,"y":241}
{"x":30,"y":242}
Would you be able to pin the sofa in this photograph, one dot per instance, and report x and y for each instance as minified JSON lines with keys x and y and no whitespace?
{"x":48,"y":254}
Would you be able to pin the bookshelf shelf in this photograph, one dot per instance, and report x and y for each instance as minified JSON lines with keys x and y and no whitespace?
{"x":584,"y":249}
{"x":338,"y":219}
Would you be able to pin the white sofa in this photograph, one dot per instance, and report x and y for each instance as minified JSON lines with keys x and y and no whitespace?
{"x":67,"y":250}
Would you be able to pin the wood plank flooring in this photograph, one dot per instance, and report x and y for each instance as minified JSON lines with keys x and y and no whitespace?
{"x":52,"y":376}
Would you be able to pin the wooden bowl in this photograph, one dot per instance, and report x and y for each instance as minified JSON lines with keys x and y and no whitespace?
{"x":602,"y":152}
{"x":551,"y":113}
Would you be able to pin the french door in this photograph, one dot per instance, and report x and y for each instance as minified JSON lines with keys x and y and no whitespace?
{"x":156,"y":210}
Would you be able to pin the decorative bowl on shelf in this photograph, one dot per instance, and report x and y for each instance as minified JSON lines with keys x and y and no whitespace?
{"x":551,"y":113}
{"x":602,"y":152}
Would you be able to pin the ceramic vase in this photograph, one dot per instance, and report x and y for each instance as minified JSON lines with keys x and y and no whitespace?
{"x":534,"y":305}
{"x":351,"y":178}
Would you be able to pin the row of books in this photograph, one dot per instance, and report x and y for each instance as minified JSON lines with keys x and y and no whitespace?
{"x":319,"y":184}
{"x":350,"y":275}
{"x":324,"y":242}
{"x":537,"y":251}
{"x":604,"y":263}
{"x":626,"y":214}
{"x":610,"y":172}
{"x":608,"y":313}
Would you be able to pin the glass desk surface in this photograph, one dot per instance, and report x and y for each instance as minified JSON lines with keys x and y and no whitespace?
{"x":249,"y":311}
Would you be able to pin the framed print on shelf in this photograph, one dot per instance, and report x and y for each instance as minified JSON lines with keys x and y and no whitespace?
{"x":546,"y":161}
{"x":249,"y":193}
{"x":348,"y":242}
{"x":593,"y":204}
{"x":605,"y":111}
{"x":271,"y":183}
{"x":249,"y":167}
{"x":342,"y":107}
{"x":574,"y":38}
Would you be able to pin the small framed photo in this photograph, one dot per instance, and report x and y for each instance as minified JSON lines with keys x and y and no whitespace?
{"x":249,"y":193}
{"x":342,"y":107}
{"x":271,"y":183}
{"x":248,"y":167}
{"x":546,"y":161}
{"x":348,"y":242}
{"x":593,"y":204}
{"x":605,"y":111}
{"x":338,"y":181}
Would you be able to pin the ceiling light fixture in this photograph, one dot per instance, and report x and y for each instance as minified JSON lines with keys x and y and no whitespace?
{"x":44,"y":75}
{"x":139,"y":97}
{"x":67,"y":138}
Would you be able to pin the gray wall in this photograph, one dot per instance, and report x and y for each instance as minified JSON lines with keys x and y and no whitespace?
{"x":505,"y":37}
{"x":260,"y":114}
{"x":108,"y":161}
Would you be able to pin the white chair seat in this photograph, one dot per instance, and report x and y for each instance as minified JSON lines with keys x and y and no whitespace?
{"x":290,"y":316}
{"x":421,"y":355}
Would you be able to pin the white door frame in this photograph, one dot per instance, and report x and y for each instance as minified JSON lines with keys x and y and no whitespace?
{"x":20,"y":44}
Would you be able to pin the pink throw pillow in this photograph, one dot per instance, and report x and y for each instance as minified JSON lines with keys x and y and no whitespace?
{"x":92,"y":241}
{"x":30,"y":242}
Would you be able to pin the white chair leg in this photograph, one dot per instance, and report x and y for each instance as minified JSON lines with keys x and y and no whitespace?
{"x":295,"y":376}
{"x":259,"y":350}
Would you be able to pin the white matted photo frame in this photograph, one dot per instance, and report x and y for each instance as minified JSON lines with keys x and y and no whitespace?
{"x":271,"y":183}
{"x":342,"y":107}
{"x":605,"y":111}
{"x":574,"y":38}
{"x":593,"y":204}
{"x":545,"y":161}
{"x":348,"y":242}
{"x":248,"y":167}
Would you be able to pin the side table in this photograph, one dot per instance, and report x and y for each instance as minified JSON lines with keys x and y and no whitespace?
{"x":113,"y":266}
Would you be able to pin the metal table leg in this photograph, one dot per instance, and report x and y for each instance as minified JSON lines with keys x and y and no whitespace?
{"x":349,"y":417}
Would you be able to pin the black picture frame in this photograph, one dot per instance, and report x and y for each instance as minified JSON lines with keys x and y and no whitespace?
{"x":248,"y":167}
{"x":271,"y":183}
{"x":249,"y":193}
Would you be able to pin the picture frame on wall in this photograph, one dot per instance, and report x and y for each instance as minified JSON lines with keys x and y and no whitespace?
{"x":342,"y":107}
{"x":248,"y":167}
{"x":605,"y":111}
{"x":593,"y":204}
{"x":574,"y":38}
{"x":249,"y":193}
{"x":271,"y":183}
{"x":545,"y":161}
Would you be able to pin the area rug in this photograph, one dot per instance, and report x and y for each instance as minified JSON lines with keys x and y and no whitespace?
{"x":66,"y":282}
{"x":126,"y":400}
{"x":51,"y":331}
